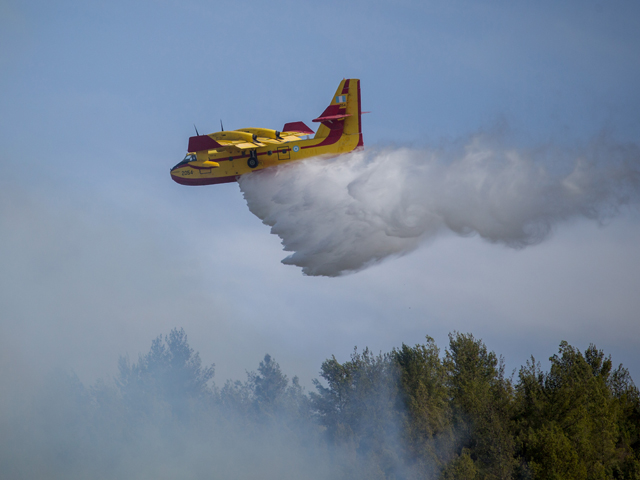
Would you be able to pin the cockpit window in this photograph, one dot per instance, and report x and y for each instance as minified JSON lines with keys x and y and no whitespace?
{"x":189,"y":158}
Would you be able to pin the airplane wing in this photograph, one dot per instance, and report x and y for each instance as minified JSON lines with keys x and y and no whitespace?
{"x":241,"y":144}
{"x":202,"y":142}
{"x":248,"y":138}
{"x":205,"y":142}
{"x":260,"y":141}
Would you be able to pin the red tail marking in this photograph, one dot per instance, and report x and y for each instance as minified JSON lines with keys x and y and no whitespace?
{"x":361,"y":140}
{"x":335,"y":133}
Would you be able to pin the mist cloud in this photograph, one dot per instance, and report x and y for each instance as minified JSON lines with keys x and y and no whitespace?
{"x":341,"y":215}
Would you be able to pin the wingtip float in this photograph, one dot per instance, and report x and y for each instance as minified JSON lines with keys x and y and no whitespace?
{"x":224,"y":156}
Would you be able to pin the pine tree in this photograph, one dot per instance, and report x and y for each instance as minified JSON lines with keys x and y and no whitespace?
{"x":428,"y":432}
{"x":481,"y":406}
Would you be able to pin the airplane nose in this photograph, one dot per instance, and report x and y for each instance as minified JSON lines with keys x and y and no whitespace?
{"x":179,"y":179}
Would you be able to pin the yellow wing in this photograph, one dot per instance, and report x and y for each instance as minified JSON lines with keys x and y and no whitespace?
{"x":248,"y":138}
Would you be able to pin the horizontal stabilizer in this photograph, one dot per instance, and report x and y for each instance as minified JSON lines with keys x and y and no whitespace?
{"x":333,"y":112}
{"x":297,"y":127}
{"x":330,"y":117}
{"x":202,"y":142}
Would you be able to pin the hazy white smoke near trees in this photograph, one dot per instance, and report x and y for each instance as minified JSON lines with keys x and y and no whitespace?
{"x":344,"y":214}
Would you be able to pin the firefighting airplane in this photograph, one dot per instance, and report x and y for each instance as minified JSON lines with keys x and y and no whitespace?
{"x":222,"y":157}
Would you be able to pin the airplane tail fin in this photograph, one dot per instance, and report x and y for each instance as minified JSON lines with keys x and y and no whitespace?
{"x":343,"y":115}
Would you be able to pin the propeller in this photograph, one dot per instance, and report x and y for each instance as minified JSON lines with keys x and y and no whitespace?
{"x":221,"y":127}
{"x":197,"y":134}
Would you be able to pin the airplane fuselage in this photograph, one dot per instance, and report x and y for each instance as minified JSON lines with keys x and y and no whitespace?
{"x":235,"y":163}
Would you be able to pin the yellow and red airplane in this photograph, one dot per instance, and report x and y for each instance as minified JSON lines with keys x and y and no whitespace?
{"x":222,"y":157}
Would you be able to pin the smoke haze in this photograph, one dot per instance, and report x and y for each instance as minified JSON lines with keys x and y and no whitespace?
{"x":344,"y":214}
{"x":162,"y":417}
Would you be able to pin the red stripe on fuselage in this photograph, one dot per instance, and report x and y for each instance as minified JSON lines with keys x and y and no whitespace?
{"x":335,"y":134}
{"x":230,"y":158}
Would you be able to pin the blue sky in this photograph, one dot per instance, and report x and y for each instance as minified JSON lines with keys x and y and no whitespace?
{"x":103,"y":252}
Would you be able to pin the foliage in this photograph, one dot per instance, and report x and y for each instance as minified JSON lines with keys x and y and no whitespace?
{"x":412,"y":413}
{"x":428,"y":429}
{"x":481,"y":402}
{"x":170,"y":376}
{"x":358,"y":409}
{"x":580,"y":419}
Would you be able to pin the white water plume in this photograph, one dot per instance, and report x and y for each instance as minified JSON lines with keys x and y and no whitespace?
{"x":343,"y":214}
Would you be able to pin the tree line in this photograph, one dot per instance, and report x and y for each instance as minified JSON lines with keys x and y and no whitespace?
{"x":412,"y":413}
